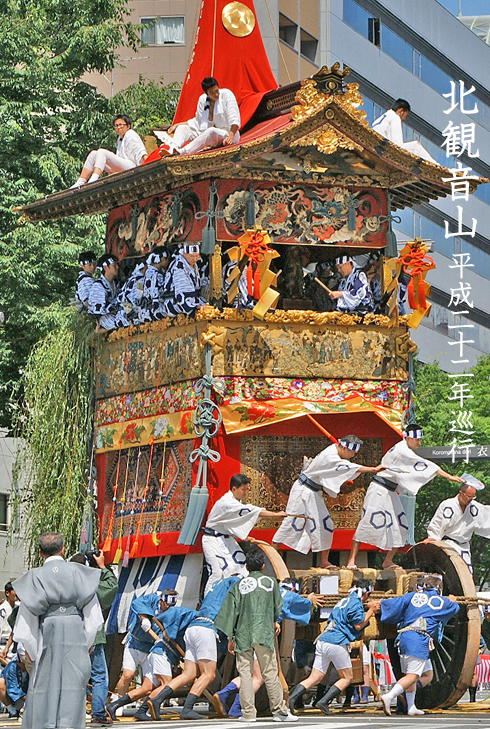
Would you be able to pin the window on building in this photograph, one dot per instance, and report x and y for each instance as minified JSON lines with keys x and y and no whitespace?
{"x":360,"y":20}
{"x":288,"y":30}
{"x":397,"y":48}
{"x":308,"y":45}
{"x":4,"y":500}
{"x":162,"y":31}
{"x":434,"y":77}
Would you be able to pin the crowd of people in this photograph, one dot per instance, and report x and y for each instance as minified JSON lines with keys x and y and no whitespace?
{"x":165,"y":284}
{"x":54,"y":643}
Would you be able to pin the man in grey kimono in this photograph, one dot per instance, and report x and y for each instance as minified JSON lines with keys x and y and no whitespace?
{"x":57,"y":621}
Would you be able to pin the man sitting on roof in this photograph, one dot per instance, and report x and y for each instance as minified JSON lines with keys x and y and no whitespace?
{"x":215,"y":124}
{"x":389,"y":125}
{"x":354,"y":295}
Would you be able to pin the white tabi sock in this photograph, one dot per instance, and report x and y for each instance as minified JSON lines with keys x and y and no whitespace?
{"x":79,"y":183}
{"x":93,"y":177}
{"x":394,"y":692}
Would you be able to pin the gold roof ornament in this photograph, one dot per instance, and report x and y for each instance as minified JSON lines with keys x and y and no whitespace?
{"x":238,"y":19}
{"x":325,"y":87}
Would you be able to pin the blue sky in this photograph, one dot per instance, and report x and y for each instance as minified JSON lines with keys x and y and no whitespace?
{"x":468,"y":7}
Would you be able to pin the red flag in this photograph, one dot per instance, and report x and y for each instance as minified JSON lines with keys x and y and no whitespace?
{"x":238,"y":63}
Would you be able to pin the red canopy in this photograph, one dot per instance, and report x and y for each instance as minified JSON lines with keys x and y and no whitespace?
{"x":238,"y":63}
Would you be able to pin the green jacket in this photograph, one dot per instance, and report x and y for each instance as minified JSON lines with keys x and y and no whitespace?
{"x":106,"y":592}
{"x":249,"y":611}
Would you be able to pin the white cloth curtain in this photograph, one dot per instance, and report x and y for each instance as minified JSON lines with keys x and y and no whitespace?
{"x":169,"y":30}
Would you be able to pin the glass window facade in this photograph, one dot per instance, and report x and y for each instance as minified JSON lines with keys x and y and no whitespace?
{"x":406,"y":55}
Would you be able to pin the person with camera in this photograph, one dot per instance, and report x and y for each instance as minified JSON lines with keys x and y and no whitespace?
{"x":99,"y":677}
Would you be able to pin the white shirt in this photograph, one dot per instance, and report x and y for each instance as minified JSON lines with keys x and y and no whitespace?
{"x":389,"y":125}
{"x":229,"y":516}
{"x":131,"y":147}
{"x":451,"y":521}
{"x":5,"y":630}
{"x":225,"y":114}
{"x":409,"y":470}
{"x":330,"y":471}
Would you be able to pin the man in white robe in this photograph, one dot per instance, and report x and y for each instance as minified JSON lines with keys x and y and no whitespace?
{"x":383,"y":522}
{"x":58,"y":618}
{"x":215,"y":124}
{"x":389,"y":125}
{"x":457,"y":519}
{"x":312,"y":527}
{"x":228,"y":521}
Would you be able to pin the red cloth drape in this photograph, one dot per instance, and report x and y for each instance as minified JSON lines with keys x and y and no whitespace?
{"x":238,"y":64}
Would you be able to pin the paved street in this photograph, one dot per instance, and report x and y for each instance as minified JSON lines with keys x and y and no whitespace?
{"x":464,"y":716}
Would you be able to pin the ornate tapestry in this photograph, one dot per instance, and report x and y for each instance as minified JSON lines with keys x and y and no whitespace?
{"x":139,"y":487}
{"x":165,"y":413}
{"x":274,"y":462}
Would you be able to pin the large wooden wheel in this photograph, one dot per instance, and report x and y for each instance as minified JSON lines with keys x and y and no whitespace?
{"x":454,"y":658}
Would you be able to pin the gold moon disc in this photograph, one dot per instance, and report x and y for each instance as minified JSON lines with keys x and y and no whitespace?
{"x":237,"y":19}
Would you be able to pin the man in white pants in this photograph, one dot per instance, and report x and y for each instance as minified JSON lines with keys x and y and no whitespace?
{"x":228,"y":521}
{"x":310,"y":526}
{"x":389,"y":125}
{"x":215,"y":124}
{"x":130,"y":152}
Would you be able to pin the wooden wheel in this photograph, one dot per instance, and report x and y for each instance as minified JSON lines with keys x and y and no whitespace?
{"x":454,"y":658}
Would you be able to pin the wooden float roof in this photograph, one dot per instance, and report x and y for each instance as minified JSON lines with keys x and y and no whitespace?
{"x":322,"y":139}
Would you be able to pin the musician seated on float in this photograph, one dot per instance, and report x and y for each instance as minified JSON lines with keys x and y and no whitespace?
{"x":215,"y":124}
{"x":186,"y":282}
{"x":354,"y":295}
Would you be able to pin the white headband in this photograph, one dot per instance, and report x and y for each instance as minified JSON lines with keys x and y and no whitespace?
{"x":412,"y":434}
{"x":350,"y":446}
{"x":86,"y":262}
{"x":343,"y":259}
{"x":156,"y":257}
{"x":107,"y":263}
{"x":360,"y":591}
{"x":191,"y":248}
{"x":167,"y":599}
{"x":294,"y":586}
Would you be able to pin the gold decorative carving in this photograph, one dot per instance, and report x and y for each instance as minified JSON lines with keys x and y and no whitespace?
{"x":238,"y":19}
{"x":287,"y":344}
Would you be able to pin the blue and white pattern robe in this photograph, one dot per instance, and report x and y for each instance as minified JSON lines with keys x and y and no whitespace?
{"x":83,"y":286}
{"x":102,"y":302}
{"x":129,"y":298}
{"x":154,"y":300}
{"x":356,"y":296}
{"x":182,"y":286}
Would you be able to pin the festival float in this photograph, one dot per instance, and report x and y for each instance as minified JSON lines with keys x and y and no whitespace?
{"x":182,"y":404}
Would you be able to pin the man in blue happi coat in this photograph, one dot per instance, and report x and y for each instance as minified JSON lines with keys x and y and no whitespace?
{"x":419,"y":617}
{"x":85,"y":279}
{"x":347,"y":622}
{"x":14,"y":681}
{"x":200,"y":652}
{"x":155,"y":658}
{"x":130,"y":297}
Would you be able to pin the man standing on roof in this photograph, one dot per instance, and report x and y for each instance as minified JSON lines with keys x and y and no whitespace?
{"x":215,"y":124}
{"x":383,"y":521}
{"x":458,"y":518}
{"x":389,"y":125}
{"x":354,"y":294}
{"x":310,"y":526}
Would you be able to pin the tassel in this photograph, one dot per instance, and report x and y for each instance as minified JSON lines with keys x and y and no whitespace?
{"x":125,"y":561}
{"x":257,"y":282}
{"x":249,"y":280}
{"x":134,"y":549}
{"x":107,"y":543}
{"x":83,"y":536}
{"x":117,"y":556}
